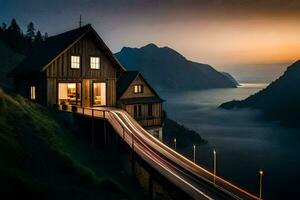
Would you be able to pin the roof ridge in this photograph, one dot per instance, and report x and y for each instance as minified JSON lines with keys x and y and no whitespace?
{"x":87,"y":26}
{"x":43,"y":55}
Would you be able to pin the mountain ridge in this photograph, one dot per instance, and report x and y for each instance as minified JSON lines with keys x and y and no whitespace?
{"x":278,"y":101}
{"x":176,"y":72}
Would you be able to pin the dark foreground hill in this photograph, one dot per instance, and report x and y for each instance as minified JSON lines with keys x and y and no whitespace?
{"x":279,"y":101}
{"x":166,"y":69}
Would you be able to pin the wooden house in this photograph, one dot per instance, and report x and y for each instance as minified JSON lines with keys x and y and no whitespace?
{"x":140,"y":100}
{"x":72,"y":68}
{"x":77,"y":68}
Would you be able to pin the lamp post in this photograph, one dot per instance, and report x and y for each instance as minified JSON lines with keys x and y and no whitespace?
{"x":215,"y":165}
{"x":194,"y":153}
{"x":175,"y":143}
{"x":261,"y":173}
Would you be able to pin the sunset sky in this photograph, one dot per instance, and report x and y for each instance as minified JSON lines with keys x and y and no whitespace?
{"x":234,"y":35}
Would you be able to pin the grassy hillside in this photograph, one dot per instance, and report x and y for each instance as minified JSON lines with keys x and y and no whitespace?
{"x":40,"y":159}
{"x":8,"y":61}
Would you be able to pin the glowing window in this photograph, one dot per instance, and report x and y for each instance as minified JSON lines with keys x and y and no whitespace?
{"x":69,"y":93}
{"x":75,"y":62}
{"x":95,"y":63}
{"x":138,"y":88}
{"x":32,"y":92}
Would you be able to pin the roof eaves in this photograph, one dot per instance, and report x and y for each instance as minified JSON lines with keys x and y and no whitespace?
{"x":59,"y":54}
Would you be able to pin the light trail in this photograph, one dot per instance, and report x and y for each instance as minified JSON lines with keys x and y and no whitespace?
{"x":183,"y":172}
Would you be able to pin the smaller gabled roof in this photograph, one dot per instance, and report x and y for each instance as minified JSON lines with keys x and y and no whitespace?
{"x":124,"y":82}
{"x":126,"y":79}
{"x":48,"y":50}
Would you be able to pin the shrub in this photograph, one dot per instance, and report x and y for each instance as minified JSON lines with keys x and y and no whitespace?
{"x":74,"y":108}
{"x":64,"y":107}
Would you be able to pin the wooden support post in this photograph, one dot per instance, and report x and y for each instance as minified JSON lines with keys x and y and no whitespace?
{"x":104,"y":126}
{"x":93,"y":131}
{"x":150,"y":185}
{"x":83,"y":110}
{"x":132,"y":166}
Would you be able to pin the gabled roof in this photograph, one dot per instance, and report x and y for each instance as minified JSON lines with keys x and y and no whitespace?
{"x":54,"y":46}
{"x":125,"y":81}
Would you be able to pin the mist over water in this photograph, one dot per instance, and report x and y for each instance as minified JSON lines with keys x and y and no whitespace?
{"x":244,"y":142}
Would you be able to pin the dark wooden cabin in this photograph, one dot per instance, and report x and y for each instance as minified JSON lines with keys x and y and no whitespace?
{"x":140,"y":100}
{"x":72,"y":68}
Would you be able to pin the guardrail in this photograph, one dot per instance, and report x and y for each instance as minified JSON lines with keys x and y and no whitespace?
{"x":163,"y":152}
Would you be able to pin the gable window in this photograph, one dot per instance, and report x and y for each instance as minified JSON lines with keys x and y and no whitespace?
{"x":95,"y":62}
{"x":75,"y":62}
{"x":138,"y":89}
{"x":32,"y":93}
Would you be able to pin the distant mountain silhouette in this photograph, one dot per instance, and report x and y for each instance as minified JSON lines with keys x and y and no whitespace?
{"x":231,"y":78}
{"x":166,"y":69}
{"x":279,"y":101}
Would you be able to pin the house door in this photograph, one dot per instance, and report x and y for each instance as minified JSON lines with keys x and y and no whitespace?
{"x":99,"y":94}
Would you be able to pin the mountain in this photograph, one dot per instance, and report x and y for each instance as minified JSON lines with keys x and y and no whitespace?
{"x":279,"y":101}
{"x":166,"y":69}
{"x":231,"y":78}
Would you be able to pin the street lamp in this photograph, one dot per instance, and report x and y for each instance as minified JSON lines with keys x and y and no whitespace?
{"x":194,"y":154}
{"x":261,"y":173}
{"x":175,"y":143}
{"x":215,"y":165}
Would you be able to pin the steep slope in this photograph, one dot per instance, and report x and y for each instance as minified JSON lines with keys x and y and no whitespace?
{"x":166,"y":69}
{"x":41,"y":159}
{"x":8,"y":61}
{"x":231,"y":78}
{"x":280,"y":100}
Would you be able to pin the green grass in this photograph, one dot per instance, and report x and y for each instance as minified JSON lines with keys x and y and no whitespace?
{"x":41,"y":159}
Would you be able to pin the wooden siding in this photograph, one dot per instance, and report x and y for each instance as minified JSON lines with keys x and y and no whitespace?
{"x":144,"y":119}
{"x":129,"y":93}
{"x":60,"y":70}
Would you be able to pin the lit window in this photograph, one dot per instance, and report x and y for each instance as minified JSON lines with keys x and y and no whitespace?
{"x":75,"y":62}
{"x":32,"y":92}
{"x":69,"y":93}
{"x":95,"y":63}
{"x":138,"y":89}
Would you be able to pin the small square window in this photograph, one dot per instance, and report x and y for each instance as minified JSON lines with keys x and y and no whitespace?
{"x":138,"y":89}
{"x":75,"y":62}
{"x":32,"y":93}
{"x":95,"y":63}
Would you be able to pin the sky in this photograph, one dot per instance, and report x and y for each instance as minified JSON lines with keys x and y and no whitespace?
{"x":238,"y":36}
